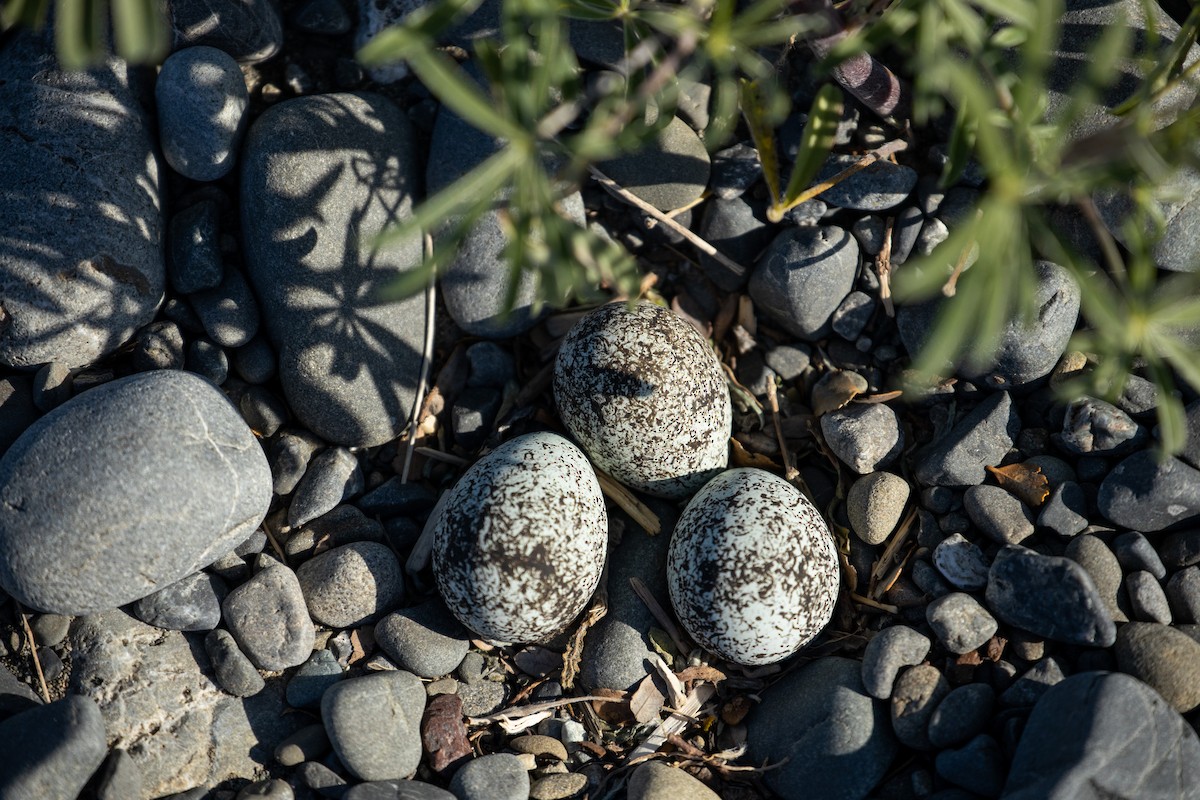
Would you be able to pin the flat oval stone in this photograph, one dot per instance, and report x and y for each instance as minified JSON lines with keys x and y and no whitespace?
{"x":802,"y":278}
{"x":269,"y":620}
{"x":126,"y":489}
{"x":374,"y":724}
{"x":201,"y":99}
{"x":321,"y":177}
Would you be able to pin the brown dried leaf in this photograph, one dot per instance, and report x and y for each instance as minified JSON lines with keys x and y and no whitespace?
{"x":876,"y":399}
{"x":734,"y":711}
{"x":995,"y":648}
{"x":646,"y":702}
{"x":614,"y":713}
{"x":971,"y":659}
{"x":1026,"y":483}
{"x":836,"y":389}
{"x":701,"y":673}
{"x":595,"y":749}
{"x":444,"y":735}
{"x":573,"y":657}
{"x":744,"y":458}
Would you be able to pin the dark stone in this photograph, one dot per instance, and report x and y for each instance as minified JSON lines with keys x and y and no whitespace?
{"x":248,"y":30}
{"x":981,"y":438}
{"x":51,"y":751}
{"x":802,"y":278}
{"x":1147,"y":494}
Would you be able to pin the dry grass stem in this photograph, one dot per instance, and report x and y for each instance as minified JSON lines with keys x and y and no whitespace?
{"x":677,"y":722}
{"x":426,"y":364}
{"x":886,"y":150}
{"x":33,"y":653}
{"x":866,"y":601}
{"x":883,"y":266}
{"x":636,"y":509}
{"x":898,"y":539}
{"x":438,"y":455}
{"x":662,"y":617}
{"x":538,"y":708}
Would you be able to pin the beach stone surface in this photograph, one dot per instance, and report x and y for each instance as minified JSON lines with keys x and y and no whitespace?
{"x":51,"y":750}
{"x":249,"y":30}
{"x":176,"y":480}
{"x":201,"y":99}
{"x":374,"y":724}
{"x":269,"y":619}
{"x":802,"y":278}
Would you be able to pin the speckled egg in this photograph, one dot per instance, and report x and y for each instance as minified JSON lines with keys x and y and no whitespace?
{"x":752,"y":568}
{"x":519,"y":542}
{"x":646,"y":397}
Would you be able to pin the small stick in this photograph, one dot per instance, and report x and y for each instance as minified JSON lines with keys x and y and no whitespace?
{"x":951,"y":286}
{"x":866,"y":601}
{"x":883,"y":266}
{"x":675,"y":212}
{"x":624,"y":498}
{"x":789,"y":472}
{"x":537,"y":708}
{"x":659,"y":615}
{"x":898,"y":539}
{"x":426,"y":364}
{"x":675,"y":723}
{"x":884,"y":150}
{"x":438,"y":455}
{"x":37,"y":663}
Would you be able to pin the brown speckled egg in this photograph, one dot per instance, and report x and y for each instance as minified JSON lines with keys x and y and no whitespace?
{"x":752,"y":568}
{"x":646,"y":397}
{"x":519,"y":542}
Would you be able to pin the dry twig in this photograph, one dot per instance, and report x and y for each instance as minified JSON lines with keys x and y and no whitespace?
{"x":37,"y":662}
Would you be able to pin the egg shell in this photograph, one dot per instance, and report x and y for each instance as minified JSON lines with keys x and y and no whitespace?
{"x":519,"y":542}
{"x":645,"y":397}
{"x":752,"y":568}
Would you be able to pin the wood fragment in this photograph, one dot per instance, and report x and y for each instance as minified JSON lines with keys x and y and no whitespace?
{"x":646,"y":701}
{"x":661,"y":616}
{"x":677,"y":722}
{"x":883,"y":267}
{"x":33,"y":653}
{"x":676,"y":694}
{"x":538,"y":708}
{"x":790,"y":473}
{"x":638,"y":511}
{"x":572,"y":659}
{"x":866,"y":601}
{"x":899,"y":537}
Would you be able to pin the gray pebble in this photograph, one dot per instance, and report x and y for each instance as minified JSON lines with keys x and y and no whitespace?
{"x":397,"y":790}
{"x":473,"y":417}
{"x":1091,"y":553}
{"x":119,"y":777}
{"x":654,"y":780}
{"x":201,"y":98}
{"x":1146,"y":598}
{"x":491,"y":365}
{"x":50,"y":751}
{"x":915,"y":697}
{"x":891,"y":649}
{"x":1183,"y":590}
{"x":288,"y":453}
{"x":1029,"y":687}
{"x":865,"y":436}
{"x":933,"y":233}
{"x":254,"y":362}
{"x":343,"y":525}
{"x":350,"y":585}
{"x":852,"y":315}
{"x":324,"y":17}
{"x":191,"y":604}
{"x":333,"y":476}
{"x":929,"y":580}
{"x":234,"y":672}
{"x":979,"y":766}
{"x":194,"y":248}
{"x":880,"y":186}
{"x":868,"y":232}
{"x":264,"y":411}
{"x":963,"y":713}
{"x":1094,"y":427}
{"x":307,"y":744}
{"x":322,"y":779}
{"x":981,"y":438}
{"x":960,"y":622}
{"x":739,"y":231}
{"x":788,"y":361}
{"x":208,"y":361}
{"x":482,"y":697}
{"x":273,"y":789}
{"x":426,"y":640}
{"x":159,"y":346}
{"x":310,"y":681}
{"x":248,"y":31}
{"x":1134,"y":552}
{"x":229,"y":312}
{"x":51,"y":386}
{"x":499,"y":776}
{"x":1053,"y":468}
{"x":268,"y":618}
{"x":874,"y":505}
{"x":669,"y":172}
{"x":374,"y":724}
{"x":1065,"y":511}
{"x":1165,"y":659}
{"x":905,"y":229}
{"x":1179,"y":550}
{"x":1145,"y":493}
{"x":394,"y":497}
{"x":998,"y":514}
{"x":803,"y":276}
{"x":961,"y":562}
{"x":49,"y":629}
{"x":734,"y":170}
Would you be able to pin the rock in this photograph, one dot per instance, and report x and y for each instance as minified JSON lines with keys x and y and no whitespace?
{"x":159,"y":346}
{"x":961,"y":624}
{"x":1091,"y":553}
{"x":51,"y":751}
{"x":180,"y":730}
{"x":1029,"y":687}
{"x":961,"y":715}
{"x":880,"y":186}
{"x":491,"y":365}
{"x":426,"y":640}
{"x":874,"y":505}
{"x":1146,"y":598}
{"x":289,"y":452}
{"x":248,"y":30}
{"x":201,"y":98}
{"x":254,"y":362}
{"x":264,"y":411}
{"x":734,"y":170}
{"x":981,"y":438}
{"x":341,"y":166}
{"x":670,"y":171}
{"x":15,"y":695}
{"x":233,"y":671}
{"x":654,"y":780}
{"x":192,"y":604}
{"x":397,"y":790}
{"x":374,"y":724}
{"x":268,"y":618}
{"x":1163,"y":658}
{"x":1065,"y":512}
{"x":788,"y":361}
{"x":559,"y":786}
{"x":499,"y":776}
{"x":351,"y":585}
{"x":473,"y":417}
{"x":905,"y":230}
{"x":183,"y":480}
{"x":835,"y":737}
{"x":739,"y":231}
{"x":868,"y":232}
{"x":229,"y":313}
{"x":118,"y":778}
{"x":49,"y":630}
{"x":1179,"y":550}
{"x":865,"y":436}
{"x":394,"y":497}
{"x":325,"y":17}
{"x":961,"y":562}
{"x":1183,"y":589}
{"x":333,"y":476}
{"x":915,"y":696}
{"x":852,"y":315}
{"x":307,"y":744}
{"x":1146,"y":494}
{"x":803,"y":277}
{"x":108,"y":275}
{"x":892,"y":648}
{"x":1049,"y":596}
{"x":343,"y":525}
{"x":1134,"y":552}
{"x":17,"y":411}
{"x":999,"y":514}
{"x":1104,"y":734}
{"x":208,"y":361}
{"x":1094,"y":427}
{"x":313,"y":678}
{"x":978,"y":766}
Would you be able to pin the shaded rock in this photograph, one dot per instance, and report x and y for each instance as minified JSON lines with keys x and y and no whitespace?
{"x":248,"y":30}
{"x":333,"y":476}
{"x":979,"y":766}
{"x":962,"y":714}
{"x":891,"y":649}
{"x":228,"y":313}
{"x":1091,"y":553}
{"x":350,"y":585}
{"x":17,"y":411}
{"x":312,"y":679}
{"x":1065,"y":511}
{"x":1147,"y":599}
{"x":201,"y":99}
{"x":655,"y":780}
{"x":374,"y":724}
{"x":738,"y":230}
{"x":999,"y":514}
{"x":803,"y":276}
{"x":233,"y":672}
{"x":668,"y":172}
{"x":51,"y":751}
{"x":961,"y":624}
{"x":1094,"y":427}
{"x":880,"y":186}
{"x":981,"y":438}
{"x":499,"y":776}
{"x":426,"y":640}
{"x":1029,"y":687}
{"x":1146,"y":494}
{"x":1134,"y":552}
{"x":192,"y":604}
{"x":1163,"y":658}
{"x":915,"y":696}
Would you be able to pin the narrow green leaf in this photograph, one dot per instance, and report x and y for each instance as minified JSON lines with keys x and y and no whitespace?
{"x":961,"y":146}
{"x":30,"y":13}
{"x":1021,"y":12}
{"x":462,"y":96}
{"x":79,"y":32}
{"x":1182,"y":358}
{"x":140,"y":29}
{"x":815,"y":142}
{"x":1172,"y":420}
{"x":762,"y":132}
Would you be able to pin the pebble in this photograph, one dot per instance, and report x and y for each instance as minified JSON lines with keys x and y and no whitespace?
{"x":999,"y":514}
{"x":191,"y":604}
{"x":1182,"y":549}
{"x":558,"y":787}
{"x":655,"y":780}
{"x":739,"y":230}
{"x":324,"y":17}
{"x":929,"y":580}
{"x":264,"y":411}
{"x":201,"y":99}
{"x":1146,"y":598}
{"x":981,"y":438}
{"x":17,"y":411}
{"x":874,"y":505}
{"x":288,"y":453}
{"x":482,"y":697}
{"x":905,"y":230}
{"x":1094,"y":427}
{"x":915,"y":696}
{"x":159,"y":346}
{"x":15,"y":695}
{"x":302,"y":164}
{"x":194,"y":487}
{"x":268,"y":618}
{"x":397,"y":790}
{"x":499,"y":776}
{"x":343,"y":525}
{"x":880,"y":186}
{"x":49,"y":630}
{"x":333,"y":476}
{"x":670,"y":171}
{"x":961,"y":562}
{"x":933,"y":233}
{"x":233,"y":671}
{"x":350,"y":585}
{"x":254,"y":362}
{"x":491,"y":365}
{"x":1029,"y":687}
{"x":374,"y":724}
{"x":394,"y":497}
{"x":1165,"y":659}
{"x":734,"y":170}
{"x":228,"y":313}
{"x":118,"y":777}
{"x":1091,"y":553}
{"x":321,"y":779}
{"x":868,"y":232}
{"x":310,"y":681}
{"x":1134,"y":552}
{"x":208,"y":361}
{"x":788,"y":361}
{"x":1183,"y":591}
{"x":274,"y":789}
{"x":830,"y":737}
{"x":892,"y":648}
{"x":249,"y":31}
{"x":802,"y":278}
{"x":851,"y":316}
{"x":50,"y":751}
{"x":426,"y":639}
{"x":307,"y":744}
{"x":1049,"y":596}
{"x":1145,"y":494}
{"x":864,"y":436}
{"x":960,"y":622}
{"x":979,"y":766}
{"x":1065,"y":511}
{"x":473,"y":417}
{"x":1136,"y":745}
{"x":963,"y":713}
{"x":59,"y":133}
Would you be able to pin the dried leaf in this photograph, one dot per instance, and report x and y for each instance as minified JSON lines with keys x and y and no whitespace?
{"x":971,"y":659}
{"x":573,"y":657}
{"x":362,"y":641}
{"x":661,"y":641}
{"x":444,"y":735}
{"x":995,"y":648}
{"x":1026,"y":483}
{"x":747,"y":321}
{"x":882,"y":397}
{"x":646,"y":702}
{"x":734,"y":711}
{"x":744,"y":458}
{"x":676,"y":692}
{"x":614,"y":713}
{"x":836,"y":389}
{"x":702,"y":673}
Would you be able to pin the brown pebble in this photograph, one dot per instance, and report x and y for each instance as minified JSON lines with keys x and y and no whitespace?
{"x":539,"y":746}
{"x":558,"y":787}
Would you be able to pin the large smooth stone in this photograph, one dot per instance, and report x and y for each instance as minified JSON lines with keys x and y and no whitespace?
{"x":321,"y":177}
{"x":51,"y":751}
{"x":126,"y":489}
{"x":249,"y":30}
{"x":81,"y":259}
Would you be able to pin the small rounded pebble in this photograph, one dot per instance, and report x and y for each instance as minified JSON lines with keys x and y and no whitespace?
{"x":482,"y":697}
{"x":264,"y":411}
{"x":1027,"y":688}
{"x":194,"y":248}
{"x":960,"y":622}
{"x":51,"y":386}
{"x":539,"y":746}
{"x":374,"y":724}
{"x":1163,"y":658}
{"x":289,"y":453}
{"x":979,"y":766}
{"x":208,"y":361}
{"x":331,"y":478}
{"x":309,"y":682}
{"x":866,"y":437}
{"x":874,"y":505}
{"x":351,"y":585}
{"x":1065,"y":511}
{"x":499,"y":776}
{"x":1183,"y":592}
{"x":558,"y":787}
{"x":426,"y":640}
{"x":655,"y":780}
{"x":998,"y":514}
{"x":891,"y":649}
{"x":201,"y":99}
{"x":229,"y":313}
{"x":307,"y":744}
{"x":268,"y":618}
{"x":961,"y":562}
{"x":1091,"y":553}
{"x":1147,"y":599}
{"x":159,"y":346}
{"x":191,"y":604}
{"x":963,"y":713}
{"x":50,"y":629}
{"x":929,"y":580}
{"x":234,"y":672}
{"x":273,"y":789}
{"x":255,"y":362}
{"x":915,"y":697}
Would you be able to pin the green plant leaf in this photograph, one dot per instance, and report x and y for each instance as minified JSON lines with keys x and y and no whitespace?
{"x":816,"y":142}
{"x":762,"y":133}
{"x":79,"y":36}
{"x":140,"y":29}
{"x":30,"y":13}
